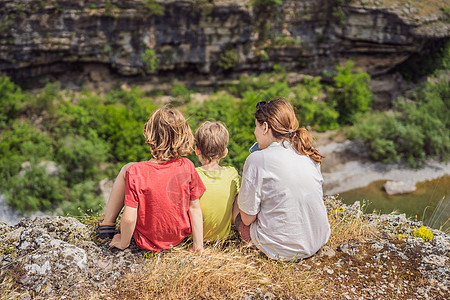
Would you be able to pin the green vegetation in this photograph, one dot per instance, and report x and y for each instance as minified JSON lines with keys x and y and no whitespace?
{"x":153,"y":8}
{"x":236,"y":107}
{"x":228,"y":59}
{"x":150,"y":60}
{"x":182,"y":94}
{"x":89,"y":137}
{"x":434,"y":57}
{"x":417,"y":128}
{"x":351,"y":94}
{"x":110,"y":9}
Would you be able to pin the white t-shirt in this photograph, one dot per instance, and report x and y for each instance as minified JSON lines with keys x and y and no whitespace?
{"x":284,"y":190}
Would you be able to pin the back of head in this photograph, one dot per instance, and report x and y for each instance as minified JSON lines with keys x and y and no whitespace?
{"x":279,"y":115}
{"x":168,"y":134}
{"x":211,"y":139}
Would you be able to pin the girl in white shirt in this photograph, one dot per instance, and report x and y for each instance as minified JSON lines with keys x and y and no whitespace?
{"x":280,"y":207}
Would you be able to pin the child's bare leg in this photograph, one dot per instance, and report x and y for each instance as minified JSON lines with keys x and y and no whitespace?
{"x":116,"y":198}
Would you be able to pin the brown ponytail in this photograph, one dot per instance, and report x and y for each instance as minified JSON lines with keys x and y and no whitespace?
{"x":279,"y":115}
{"x":302,"y":142}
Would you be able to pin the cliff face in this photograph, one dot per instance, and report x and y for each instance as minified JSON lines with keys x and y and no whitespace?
{"x":132,"y":37}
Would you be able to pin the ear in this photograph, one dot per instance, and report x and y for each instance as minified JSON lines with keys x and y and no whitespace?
{"x":197,"y":151}
{"x":225,"y":153}
{"x":266,"y":128}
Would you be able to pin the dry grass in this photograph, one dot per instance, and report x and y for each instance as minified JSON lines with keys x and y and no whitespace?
{"x":230,"y":270}
{"x":349,"y":227}
{"x":220,"y":272}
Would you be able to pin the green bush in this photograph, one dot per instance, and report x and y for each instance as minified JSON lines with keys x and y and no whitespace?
{"x":35,"y":190}
{"x":310,"y":107}
{"x":228,"y":59}
{"x":351,"y":94}
{"x":88,"y":136}
{"x":82,"y":196}
{"x":417,"y":129}
{"x":150,"y":60}
{"x":81,"y":157}
{"x":153,"y":8}
{"x":182,"y":94}
{"x":11,"y":100}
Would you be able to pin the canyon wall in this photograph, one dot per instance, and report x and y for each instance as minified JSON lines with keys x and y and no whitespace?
{"x":220,"y":38}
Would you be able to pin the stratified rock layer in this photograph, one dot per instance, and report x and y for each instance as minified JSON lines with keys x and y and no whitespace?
{"x":55,"y":36}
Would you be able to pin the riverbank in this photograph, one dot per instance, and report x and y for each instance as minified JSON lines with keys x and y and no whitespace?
{"x":346,"y":167}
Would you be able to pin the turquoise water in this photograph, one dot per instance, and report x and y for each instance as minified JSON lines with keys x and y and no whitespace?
{"x":430,"y":203}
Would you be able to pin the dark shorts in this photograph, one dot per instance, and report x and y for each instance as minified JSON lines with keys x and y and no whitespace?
{"x":244,"y":230}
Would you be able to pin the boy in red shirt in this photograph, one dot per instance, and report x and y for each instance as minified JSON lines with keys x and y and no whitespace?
{"x":161,"y":205}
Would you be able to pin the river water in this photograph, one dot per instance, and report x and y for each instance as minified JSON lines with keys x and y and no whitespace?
{"x":430,"y":202}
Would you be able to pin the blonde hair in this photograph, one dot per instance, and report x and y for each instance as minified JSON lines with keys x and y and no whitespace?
{"x":168,"y":134}
{"x":279,"y":115}
{"x":211,"y":139}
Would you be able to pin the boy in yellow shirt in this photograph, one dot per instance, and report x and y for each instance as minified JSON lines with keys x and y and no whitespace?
{"x":222,"y":183}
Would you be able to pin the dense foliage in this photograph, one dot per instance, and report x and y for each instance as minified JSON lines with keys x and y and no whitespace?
{"x":88,"y":137}
{"x":84,"y":134}
{"x":417,"y":128}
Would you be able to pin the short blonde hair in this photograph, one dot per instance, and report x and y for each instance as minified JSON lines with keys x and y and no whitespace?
{"x":168,"y":134}
{"x":211,"y":139}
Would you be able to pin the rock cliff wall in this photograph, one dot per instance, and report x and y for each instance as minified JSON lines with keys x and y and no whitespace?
{"x":134,"y":38}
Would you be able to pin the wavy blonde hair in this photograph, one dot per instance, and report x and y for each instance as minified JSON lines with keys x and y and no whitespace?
{"x":168,"y":134}
{"x":279,"y":115}
{"x":211,"y":139}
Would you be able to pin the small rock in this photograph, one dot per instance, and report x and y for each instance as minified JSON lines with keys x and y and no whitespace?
{"x":398,"y":187}
{"x":345,"y":248}
{"x":326,"y":251}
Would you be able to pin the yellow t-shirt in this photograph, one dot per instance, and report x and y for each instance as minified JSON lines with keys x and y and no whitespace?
{"x":222,"y":186}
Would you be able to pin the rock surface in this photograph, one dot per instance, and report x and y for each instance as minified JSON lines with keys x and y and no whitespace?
{"x":56,"y":256}
{"x":398,"y":187}
{"x":97,"y":37}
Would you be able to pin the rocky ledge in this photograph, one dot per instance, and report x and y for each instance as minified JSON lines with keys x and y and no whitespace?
{"x":56,"y":257}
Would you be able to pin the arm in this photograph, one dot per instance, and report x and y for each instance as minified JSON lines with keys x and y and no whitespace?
{"x":247,"y":219}
{"x":195,"y":213}
{"x":127,"y":225}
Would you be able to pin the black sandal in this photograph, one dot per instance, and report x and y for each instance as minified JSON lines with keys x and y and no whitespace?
{"x":106,"y":231}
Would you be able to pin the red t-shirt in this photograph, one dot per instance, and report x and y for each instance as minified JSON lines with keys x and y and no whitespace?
{"x":162,"y":192}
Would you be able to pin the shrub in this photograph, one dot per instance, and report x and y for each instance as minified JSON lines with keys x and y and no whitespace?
{"x":81,"y":157}
{"x":310,"y":108}
{"x":228,"y":59}
{"x":434,"y":56}
{"x":150,"y":60}
{"x":35,"y":190}
{"x":153,"y":8}
{"x":83,"y":196}
{"x":11,"y":100}
{"x":417,"y":129}
{"x":351,"y":94}
{"x":182,"y":93}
